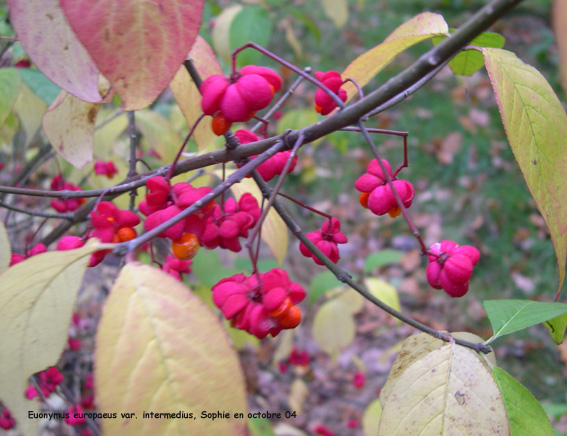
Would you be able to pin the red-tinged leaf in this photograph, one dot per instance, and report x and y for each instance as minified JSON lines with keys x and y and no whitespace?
{"x":421,"y":27}
{"x":559,"y":17}
{"x":160,"y":349}
{"x":187,"y":94}
{"x":47,"y":38}
{"x":69,"y":126}
{"x":137,"y":44}
{"x":536,"y":126}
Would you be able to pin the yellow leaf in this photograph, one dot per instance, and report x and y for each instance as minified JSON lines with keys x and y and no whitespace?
{"x":371,"y":418}
{"x":298,"y":395}
{"x":385,"y":292}
{"x":284,"y":347}
{"x":106,"y":136}
{"x":187,"y":94}
{"x":333,"y":327}
{"x":274,"y":230}
{"x":337,"y":11}
{"x":160,"y":349}
{"x":421,"y":27}
{"x":221,"y":32}
{"x":292,"y":40}
{"x":536,"y":127}
{"x":448,"y":391}
{"x":241,"y":338}
{"x":159,"y":133}
{"x":37,"y":297}
{"x":69,"y":126}
{"x":556,"y":328}
{"x":352,"y":300}
{"x":5,"y":249}
{"x":30,"y":108}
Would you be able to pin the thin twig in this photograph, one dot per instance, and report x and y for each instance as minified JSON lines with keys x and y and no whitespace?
{"x":37,"y":213}
{"x":132,"y":161}
{"x":292,"y":67}
{"x":406,"y":93}
{"x":282,"y":99}
{"x":218,"y":190}
{"x":281,"y":178}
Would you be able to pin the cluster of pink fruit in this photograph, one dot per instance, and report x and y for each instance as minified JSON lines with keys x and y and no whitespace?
{"x":263,"y":303}
{"x":238,"y":97}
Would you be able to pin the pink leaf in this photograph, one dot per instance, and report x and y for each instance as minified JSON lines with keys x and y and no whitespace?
{"x":47,"y":38}
{"x":137,"y":45}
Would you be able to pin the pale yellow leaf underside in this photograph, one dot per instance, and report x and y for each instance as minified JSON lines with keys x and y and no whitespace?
{"x":37,"y":297}
{"x":69,"y":126}
{"x":413,"y":349}
{"x":447,"y":392}
{"x":5,"y":248}
{"x":161,"y":349}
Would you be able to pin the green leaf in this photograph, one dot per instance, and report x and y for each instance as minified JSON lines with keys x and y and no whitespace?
{"x":9,"y":89}
{"x":420,"y":28}
{"x":469,"y":61}
{"x":536,"y":126}
{"x":207,"y":267}
{"x":296,"y":119}
{"x":525,"y":415}
{"x":555,"y":410}
{"x":260,"y":427}
{"x":556,"y":327}
{"x":40,"y":84}
{"x":322,"y":283}
{"x":264,"y":265}
{"x":251,"y":24}
{"x":311,"y":26}
{"x":382,"y":258}
{"x":508,"y":316}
